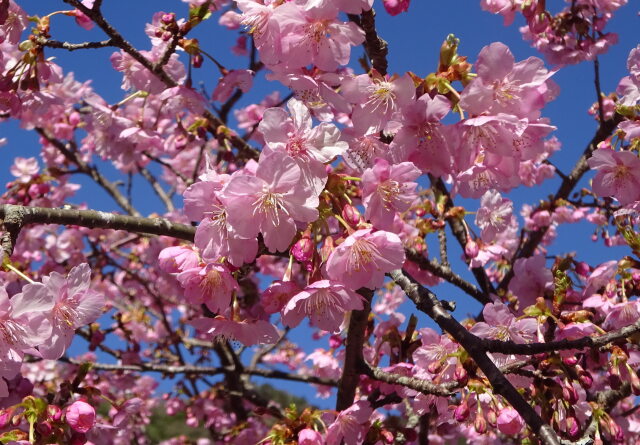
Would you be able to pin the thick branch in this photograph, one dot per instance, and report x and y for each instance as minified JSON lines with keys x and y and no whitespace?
{"x":427,"y":302}
{"x":94,"y":219}
{"x":353,"y":354}
{"x":377,"y":48}
{"x":446,"y":273}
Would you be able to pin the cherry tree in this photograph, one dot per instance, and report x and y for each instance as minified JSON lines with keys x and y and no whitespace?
{"x":320,"y":213}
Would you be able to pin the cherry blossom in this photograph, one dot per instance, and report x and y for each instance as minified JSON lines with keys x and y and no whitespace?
{"x":75,"y":305}
{"x":324,"y":302}
{"x":364,"y":257}
{"x":270,"y":202}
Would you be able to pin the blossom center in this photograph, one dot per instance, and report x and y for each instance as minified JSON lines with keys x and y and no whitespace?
{"x":270,"y":204}
{"x":362,"y":253}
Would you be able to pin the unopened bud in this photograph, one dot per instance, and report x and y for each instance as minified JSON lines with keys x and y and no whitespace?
{"x":461,"y":412}
{"x":303,"y":250}
{"x":351,"y":215}
{"x":168,"y":18}
{"x":471,"y":249}
{"x":480,"y":424}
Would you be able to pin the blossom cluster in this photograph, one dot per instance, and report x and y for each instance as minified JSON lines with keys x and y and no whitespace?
{"x":305,"y":213}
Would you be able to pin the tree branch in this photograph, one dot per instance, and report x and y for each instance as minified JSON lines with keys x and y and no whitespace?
{"x":94,"y":219}
{"x":427,"y":302}
{"x":353,"y":354}
{"x":74,"y":46}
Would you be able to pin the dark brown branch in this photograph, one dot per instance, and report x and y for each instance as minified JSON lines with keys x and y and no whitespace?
{"x":509,"y":347}
{"x":427,"y":302}
{"x":94,"y":219}
{"x":446,"y":273}
{"x":353,"y":354}
{"x":377,"y":48}
{"x":460,"y":233}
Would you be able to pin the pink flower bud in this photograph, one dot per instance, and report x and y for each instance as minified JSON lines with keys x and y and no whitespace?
{"x":510,"y":422}
{"x":573,"y":428}
{"x":480,"y":424}
{"x":585,"y":379}
{"x":5,"y":418}
{"x":308,"y":436}
{"x":197,"y":60}
{"x":471,"y":249}
{"x":303,"y":249}
{"x":54,"y":412}
{"x":80,"y":416}
{"x":351,"y":215}
{"x":461,"y":412}
{"x":335,"y":341}
{"x":582,"y":269}
{"x":168,"y":18}
{"x":570,"y":361}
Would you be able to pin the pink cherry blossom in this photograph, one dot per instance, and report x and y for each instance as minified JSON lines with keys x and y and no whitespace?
{"x":395,"y":7}
{"x":387,"y":189}
{"x":422,"y":139}
{"x":80,"y":416}
{"x":500,"y":324}
{"x":176,"y":259}
{"x":270,"y":202}
{"x":314,"y":36}
{"x":349,"y":425}
{"x":364,"y":258}
{"x":494,"y":215}
{"x":24,"y":168}
{"x":212,"y":285}
{"x":308,"y":436}
{"x":377,"y":99}
{"x":23,"y":324}
{"x":247,"y":332}
{"x":618,"y":174}
{"x":504,"y":86}
{"x":531,"y":279}
{"x":75,"y":305}
{"x":510,"y":422}
{"x":324,"y":302}
{"x":309,"y":147}
{"x":240,"y":79}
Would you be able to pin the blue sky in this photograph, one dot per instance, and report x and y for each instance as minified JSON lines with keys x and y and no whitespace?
{"x":414,"y":42}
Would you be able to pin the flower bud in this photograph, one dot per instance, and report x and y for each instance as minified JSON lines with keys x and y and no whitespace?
{"x":582,"y":269}
{"x":335,"y":341}
{"x":308,"y":436}
{"x":54,"y":412}
{"x":80,"y":416}
{"x":510,"y":422}
{"x":461,"y":412}
{"x":303,"y":249}
{"x":168,"y":18}
{"x":471,"y":249}
{"x":351,"y":215}
{"x":480,"y":424}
